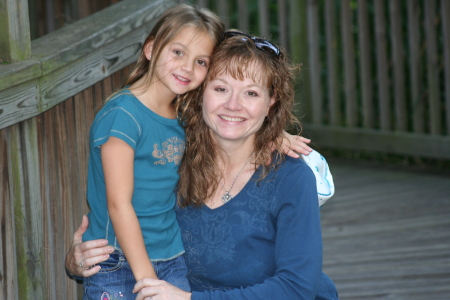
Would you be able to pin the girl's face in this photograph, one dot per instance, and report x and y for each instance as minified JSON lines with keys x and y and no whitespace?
{"x":183,"y":62}
{"x":234,"y":110}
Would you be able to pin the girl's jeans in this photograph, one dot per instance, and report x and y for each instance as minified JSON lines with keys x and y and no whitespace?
{"x":115,"y":280}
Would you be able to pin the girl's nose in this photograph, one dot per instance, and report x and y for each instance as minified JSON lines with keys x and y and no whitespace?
{"x":187,"y":66}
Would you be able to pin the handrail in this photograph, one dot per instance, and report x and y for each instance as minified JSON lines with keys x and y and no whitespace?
{"x":73,"y":58}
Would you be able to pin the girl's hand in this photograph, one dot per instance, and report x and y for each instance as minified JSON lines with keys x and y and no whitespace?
{"x":82,"y":256}
{"x":154,"y":289}
{"x":292,"y":145}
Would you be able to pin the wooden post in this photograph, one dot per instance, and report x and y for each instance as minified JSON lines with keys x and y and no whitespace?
{"x":263,"y":18}
{"x":332,"y":63}
{"x":15,"y":42}
{"x":365,"y":60}
{"x":299,"y":51}
{"x":351,"y":112}
{"x":314,"y":60}
{"x":445,"y":10}
{"x":415,"y":67}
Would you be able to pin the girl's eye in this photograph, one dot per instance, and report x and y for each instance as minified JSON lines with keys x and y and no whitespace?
{"x":202,"y":63}
{"x":177,"y":52}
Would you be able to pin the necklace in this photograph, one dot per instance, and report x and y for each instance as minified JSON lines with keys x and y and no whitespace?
{"x":227,"y":197}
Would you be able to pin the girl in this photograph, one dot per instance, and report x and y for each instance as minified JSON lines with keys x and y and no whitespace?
{"x":136,"y":145}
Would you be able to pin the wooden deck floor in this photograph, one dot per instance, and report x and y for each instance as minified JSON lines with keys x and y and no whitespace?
{"x":387,"y":233}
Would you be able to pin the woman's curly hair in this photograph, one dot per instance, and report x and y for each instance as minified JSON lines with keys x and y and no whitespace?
{"x":239,"y":57}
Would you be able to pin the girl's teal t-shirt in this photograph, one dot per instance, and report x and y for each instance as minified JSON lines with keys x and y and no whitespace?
{"x":158,"y":143}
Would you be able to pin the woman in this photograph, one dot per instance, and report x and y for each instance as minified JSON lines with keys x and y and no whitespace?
{"x":249,"y":217}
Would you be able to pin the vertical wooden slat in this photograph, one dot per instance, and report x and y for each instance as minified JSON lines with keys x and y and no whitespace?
{"x":351,"y":114}
{"x":224,"y":12}
{"x":282,"y":24}
{"x":298,"y":37}
{"x":382,"y":69}
{"x":415,"y":67}
{"x":243,"y":22}
{"x":314,"y":60}
{"x":263,"y":18}
{"x":365,"y":60}
{"x":50,"y":192}
{"x":398,"y":64}
{"x":332,"y":66}
{"x":432,"y":67}
{"x":445,"y":15}
{"x":8,"y":281}
{"x":50,"y":16}
{"x":14,"y":31}
{"x":203,"y":3}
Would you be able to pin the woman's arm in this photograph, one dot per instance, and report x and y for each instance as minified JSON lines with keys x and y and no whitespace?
{"x":118,"y":162}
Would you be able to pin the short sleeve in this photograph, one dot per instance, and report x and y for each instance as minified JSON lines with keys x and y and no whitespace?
{"x":118,"y":122}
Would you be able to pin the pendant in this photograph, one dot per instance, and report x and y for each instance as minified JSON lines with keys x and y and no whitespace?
{"x":226,"y":197}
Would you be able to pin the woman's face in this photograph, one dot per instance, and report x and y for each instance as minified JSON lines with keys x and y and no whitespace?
{"x":234,"y":110}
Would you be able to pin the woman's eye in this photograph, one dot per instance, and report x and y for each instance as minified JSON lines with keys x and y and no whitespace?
{"x":253,"y":94}
{"x":220,"y":90}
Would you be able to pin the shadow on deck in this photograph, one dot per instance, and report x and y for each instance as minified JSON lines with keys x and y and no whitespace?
{"x":386,"y":233}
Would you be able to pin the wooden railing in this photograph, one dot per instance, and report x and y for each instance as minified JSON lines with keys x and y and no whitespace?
{"x":376,"y":73}
{"x":375,"y":77}
{"x":47,"y":104}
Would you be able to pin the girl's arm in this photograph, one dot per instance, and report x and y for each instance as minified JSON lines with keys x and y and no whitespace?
{"x":118,"y":161}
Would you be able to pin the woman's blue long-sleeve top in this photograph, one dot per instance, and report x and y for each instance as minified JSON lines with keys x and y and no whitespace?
{"x":265,"y":243}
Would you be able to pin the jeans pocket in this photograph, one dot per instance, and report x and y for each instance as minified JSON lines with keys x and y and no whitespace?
{"x":115,"y":261}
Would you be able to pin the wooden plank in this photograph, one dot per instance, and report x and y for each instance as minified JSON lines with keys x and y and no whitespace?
{"x":382,"y":68}
{"x":224,"y":12}
{"x":445,"y":17}
{"x":409,"y":144}
{"x":243,"y":21}
{"x":14,"y":31}
{"x":417,"y":103}
{"x":351,"y":113}
{"x":395,"y":16}
{"x":102,"y":43}
{"x":263,"y":18}
{"x":8,"y":282}
{"x":365,"y":61}
{"x":394,"y":245}
{"x":332,"y":65}
{"x":314,"y":60}
{"x":433,"y":62}
{"x":298,"y":37}
{"x":282,"y":24}
{"x":19,"y":103}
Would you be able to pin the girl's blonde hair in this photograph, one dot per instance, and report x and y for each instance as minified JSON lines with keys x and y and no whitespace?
{"x":169,"y":25}
{"x":236,"y":56}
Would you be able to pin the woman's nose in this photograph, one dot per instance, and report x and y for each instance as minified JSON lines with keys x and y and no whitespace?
{"x":233,"y":102}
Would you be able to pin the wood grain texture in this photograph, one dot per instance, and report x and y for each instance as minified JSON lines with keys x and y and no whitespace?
{"x":386,"y":232}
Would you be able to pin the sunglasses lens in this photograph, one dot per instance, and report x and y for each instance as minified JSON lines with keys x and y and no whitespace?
{"x":267,"y":46}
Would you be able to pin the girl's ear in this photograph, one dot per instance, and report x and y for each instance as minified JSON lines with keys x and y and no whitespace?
{"x":148,"y":49}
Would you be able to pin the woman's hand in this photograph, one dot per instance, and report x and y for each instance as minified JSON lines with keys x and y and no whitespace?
{"x":154,"y":289}
{"x":292,"y":145}
{"x":82,"y":256}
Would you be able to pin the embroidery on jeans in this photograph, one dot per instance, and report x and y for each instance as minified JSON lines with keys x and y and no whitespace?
{"x":105,"y":296}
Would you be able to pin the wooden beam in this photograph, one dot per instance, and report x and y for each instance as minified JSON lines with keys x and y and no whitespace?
{"x":73,"y":58}
{"x":403,"y":143}
{"x":15,"y":42}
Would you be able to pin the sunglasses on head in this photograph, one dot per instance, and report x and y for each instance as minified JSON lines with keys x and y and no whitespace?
{"x":260,"y":44}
